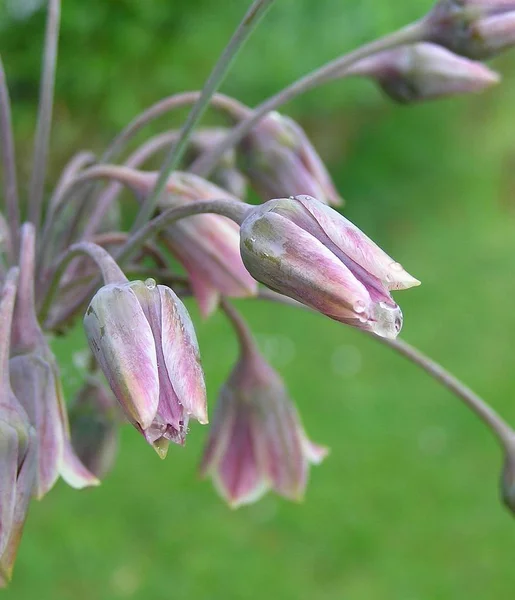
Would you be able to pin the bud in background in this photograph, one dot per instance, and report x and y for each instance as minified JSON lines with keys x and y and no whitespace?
{"x":424,"y":72}
{"x":304,"y":249}
{"x":35,"y":380}
{"x":225,"y":174}
{"x":18,"y":446}
{"x":143,"y":339}
{"x":280,"y":161}
{"x":478,"y":29}
{"x":257,"y":441}
{"x":207,"y":245}
{"x":94,"y":422}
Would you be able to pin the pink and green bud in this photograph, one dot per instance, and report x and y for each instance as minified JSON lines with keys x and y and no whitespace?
{"x":478,"y":29}
{"x":304,"y":249}
{"x":35,"y":380}
{"x":257,"y":442}
{"x":17,"y":446}
{"x":280,"y":161}
{"x":207,"y":245}
{"x":94,"y":422}
{"x":424,"y":72}
{"x":144,"y":341}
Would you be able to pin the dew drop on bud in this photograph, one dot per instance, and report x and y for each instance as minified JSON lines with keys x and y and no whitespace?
{"x":387,"y":320}
{"x":395,"y":266}
{"x":150,"y":283}
{"x":359,"y":306}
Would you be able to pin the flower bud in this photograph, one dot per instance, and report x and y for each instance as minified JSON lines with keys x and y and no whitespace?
{"x":94,"y":419}
{"x":143,"y":339}
{"x":207,"y":245}
{"x":304,"y":249}
{"x":35,"y":380}
{"x":424,"y":72}
{"x":257,"y":441}
{"x":478,"y":29}
{"x":279,"y":160}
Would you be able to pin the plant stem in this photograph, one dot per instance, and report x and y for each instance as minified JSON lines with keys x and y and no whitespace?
{"x":497,"y":425}
{"x":231,"y":209}
{"x":242,"y":33}
{"x":245,"y":338}
{"x":10,"y":183}
{"x":407,"y":35}
{"x":46,"y":97}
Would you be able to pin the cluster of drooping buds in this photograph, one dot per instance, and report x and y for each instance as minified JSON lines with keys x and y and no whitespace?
{"x":140,"y":333}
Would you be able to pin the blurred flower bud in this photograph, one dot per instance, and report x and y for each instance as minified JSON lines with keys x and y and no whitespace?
{"x":143,"y":339}
{"x":207,"y":245}
{"x":35,"y":380}
{"x":424,"y":72}
{"x":94,"y":421}
{"x":478,"y":29}
{"x":304,"y":249}
{"x":17,"y":446}
{"x":279,"y":160}
{"x":225,"y":174}
{"x":257,"y":441}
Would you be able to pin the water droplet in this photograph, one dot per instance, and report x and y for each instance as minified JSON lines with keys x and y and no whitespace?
{"x":359,"y":306}
{"x":150,"y":283}
{"x":395,"y":266}
{"x":387,"y":320}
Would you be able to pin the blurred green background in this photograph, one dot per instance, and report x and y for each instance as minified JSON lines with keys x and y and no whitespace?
{"x":405,"y":507}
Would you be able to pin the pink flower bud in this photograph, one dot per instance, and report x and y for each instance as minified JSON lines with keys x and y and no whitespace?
{"x":306,"y":250}
{"x":207,"y":245}
{"x":279,"y":160}
{"x":477,"y":29}
{"x":257,"y":441}
{"x":143,"y":339}
{"x":424,"y":72}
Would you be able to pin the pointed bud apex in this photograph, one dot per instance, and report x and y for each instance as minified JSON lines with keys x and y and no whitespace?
{"x":257,"y":441}
{"x":304,"y":249}
{"x":279,"y":160}
{"x":478,"y":29}
{"x":94,"y":419}
{"x":424,"y":72}
{"x":143,"y":339}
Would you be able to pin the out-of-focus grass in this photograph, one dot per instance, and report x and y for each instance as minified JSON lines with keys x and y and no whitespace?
{"x":405,"y":507}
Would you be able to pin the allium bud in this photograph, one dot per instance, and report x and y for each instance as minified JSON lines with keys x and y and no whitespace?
{"x":304,"y":249}
{"x":35,"y":380}
{"x":94,"y":422}
{"x":17,"y":447}
{"x":143,"y":339}
{"x":424,"y":72}
{"x":478,"y":29}
{"x":257,"y":441}
{"x":279,"y":160}
{"x":207,"y":245}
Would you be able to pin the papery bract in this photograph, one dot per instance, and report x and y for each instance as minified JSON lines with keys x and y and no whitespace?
{"x":306,"y":250}
{"x":143,"y":339}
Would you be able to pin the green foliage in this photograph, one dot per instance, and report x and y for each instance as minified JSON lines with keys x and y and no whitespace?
{"x":406,"y":505}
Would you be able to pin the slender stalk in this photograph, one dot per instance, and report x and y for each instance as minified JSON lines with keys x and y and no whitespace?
{"x":245,"y":337}
{"x":116,"y":238}
{"x":228,"y":208}
{"x":242,"y":33}
{"x":45,"y":112}
{"x":407,"y":35}
{"x":497,"y":425}
{"x":10,"y":183}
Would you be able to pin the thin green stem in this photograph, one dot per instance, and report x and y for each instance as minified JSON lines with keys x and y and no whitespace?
{"x":220,"y":70}
{"x":10,"y":183}
{"x":46,"y":99}
{"x":245,"y":337}
{"x":410,"y":34}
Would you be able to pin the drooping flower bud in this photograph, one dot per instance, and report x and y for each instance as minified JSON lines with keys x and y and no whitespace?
{"x":304,"y":249}
{"x":279,"y":160}
{"x":35,"y":380}
{"x":207,"y":245}
{"x":143,"y":339}
{"x":478,"y":29}
{"x":257,"y":442}
{"x":18,"y":446}
{"x":424,"y":72}
{"x":94,"y":422}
